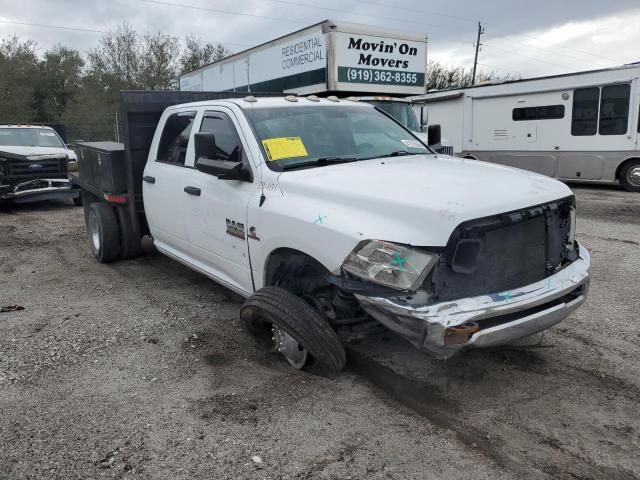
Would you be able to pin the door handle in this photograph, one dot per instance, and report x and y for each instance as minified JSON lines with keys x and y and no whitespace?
{"x":149,"y":179}
{"x":192,"y":191}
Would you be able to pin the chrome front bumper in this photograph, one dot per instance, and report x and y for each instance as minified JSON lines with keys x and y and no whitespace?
{"x":40,"y":189}
{"x":502,"y":317}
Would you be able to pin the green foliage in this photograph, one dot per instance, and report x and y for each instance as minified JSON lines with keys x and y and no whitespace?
{"x":18,"y":75}
{"x":82,"y":91}
{"x":441,"y":76}
{"x":196,"y":54}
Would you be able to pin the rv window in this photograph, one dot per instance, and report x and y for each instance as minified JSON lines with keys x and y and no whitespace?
{"x":584,"y":118}
{"x":544,"y":112}
{"x":614,"y":109}
{"x":175,"y":138}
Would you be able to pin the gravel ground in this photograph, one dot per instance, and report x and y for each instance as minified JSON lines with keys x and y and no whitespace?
{"x":139,"y":369}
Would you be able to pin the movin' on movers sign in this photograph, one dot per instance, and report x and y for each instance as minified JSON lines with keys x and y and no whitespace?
{"x":321,"y":58}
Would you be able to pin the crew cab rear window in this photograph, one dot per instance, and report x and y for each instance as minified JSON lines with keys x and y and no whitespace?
{"x":614,"y":109}
{"x":175,"y":138}
{"x":228,"y":146}
{"x":543,"y":112}
{"x":584,"y":119}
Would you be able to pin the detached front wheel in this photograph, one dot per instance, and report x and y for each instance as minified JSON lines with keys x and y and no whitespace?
{"x":278,"y":320}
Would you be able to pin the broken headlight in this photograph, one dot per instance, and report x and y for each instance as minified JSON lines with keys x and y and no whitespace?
{"x":388,"y":264}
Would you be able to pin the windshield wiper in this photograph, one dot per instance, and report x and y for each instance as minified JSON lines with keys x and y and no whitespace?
{"x":320,"y":162}
{"x":399,"y":153}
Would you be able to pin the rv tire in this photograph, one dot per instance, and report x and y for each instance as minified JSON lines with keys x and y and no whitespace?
{"x":630,"y":176}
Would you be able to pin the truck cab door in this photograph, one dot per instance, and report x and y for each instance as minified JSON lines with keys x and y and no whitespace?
{"x":164,"y":177}
{"x":217,"y":230}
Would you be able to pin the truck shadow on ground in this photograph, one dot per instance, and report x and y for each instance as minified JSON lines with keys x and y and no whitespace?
{"x":36,"y":207}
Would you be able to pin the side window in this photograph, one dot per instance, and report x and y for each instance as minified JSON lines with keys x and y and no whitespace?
{"x":175,"y":138}
{"x":614,"y":109}
{"x":544,"y":112}
{"x":584,"y":118}
{"x":228,"y":145}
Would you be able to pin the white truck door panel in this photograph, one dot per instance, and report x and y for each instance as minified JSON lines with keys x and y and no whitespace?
{"x":165,"y":176}
{"x":216,"y":219}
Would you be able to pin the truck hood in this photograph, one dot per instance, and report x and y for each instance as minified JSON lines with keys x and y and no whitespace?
{"x":417,"y":200}
{"x":29,"y":151}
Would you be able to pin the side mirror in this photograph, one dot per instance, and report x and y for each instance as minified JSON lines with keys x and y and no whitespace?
{"x":434,"y":135}
{"x":206,"y":162}
{"x":424,"y":119}
{"x":205,"y":145}
{"x":222,"y":169}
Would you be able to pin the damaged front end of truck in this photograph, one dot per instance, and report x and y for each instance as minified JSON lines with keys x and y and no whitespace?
{"x":498,"y":279}
{"x":29,"y":178}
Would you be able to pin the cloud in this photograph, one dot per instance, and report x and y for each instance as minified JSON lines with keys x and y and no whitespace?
{"x":574,"y":46}
{"x":552,"y":37}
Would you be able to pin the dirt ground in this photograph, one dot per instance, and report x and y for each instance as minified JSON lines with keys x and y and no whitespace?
{"x":139,"y":369}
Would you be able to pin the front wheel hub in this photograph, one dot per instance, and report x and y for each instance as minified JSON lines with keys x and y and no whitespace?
{"x":289,"y":347}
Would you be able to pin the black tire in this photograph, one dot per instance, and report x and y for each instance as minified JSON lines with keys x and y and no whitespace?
{"x":131,"y":244}
{"x":630,"y":176}
{"x":77,"y":201}
{"x":87,"y":200}
{"x":104,"y":232}
{"x":276,"y":306}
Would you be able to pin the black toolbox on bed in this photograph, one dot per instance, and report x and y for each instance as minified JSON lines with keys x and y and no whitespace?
{"x":102,"y":164}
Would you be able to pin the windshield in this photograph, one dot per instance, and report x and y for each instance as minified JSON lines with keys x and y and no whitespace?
{"x":29,"y":137}
{"x":306,"y":136}
{"x":401,"y":111}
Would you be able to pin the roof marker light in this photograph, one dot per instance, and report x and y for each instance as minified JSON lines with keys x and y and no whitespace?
{"x":313,"y":98}
{"x":291,"y":98}
{"x":250,"y":98}
{"x":333,"y":98}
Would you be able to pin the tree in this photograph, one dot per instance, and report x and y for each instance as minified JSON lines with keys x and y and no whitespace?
{"x":125,"y":60}
{"x":441,"y":76}
{"x":197,"y":54}
{"x":18,"y":74}
{"x":159,"y":64}
{"x":58,"y":82}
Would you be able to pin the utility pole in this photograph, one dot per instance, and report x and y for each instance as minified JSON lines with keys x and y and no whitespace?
{"x":475,"y":61}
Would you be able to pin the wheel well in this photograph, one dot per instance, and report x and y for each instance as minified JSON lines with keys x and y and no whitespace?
{"x":294,"y":271}
{"x":622,"y":165}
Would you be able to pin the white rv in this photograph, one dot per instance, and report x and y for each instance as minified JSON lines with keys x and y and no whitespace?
{"x":582,"y":126}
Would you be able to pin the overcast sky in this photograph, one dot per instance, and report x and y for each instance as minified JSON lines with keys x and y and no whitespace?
{"x":522,"y":37}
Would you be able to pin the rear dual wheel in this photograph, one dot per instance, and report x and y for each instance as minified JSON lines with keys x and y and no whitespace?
{"x":111,"y":232}
{"x":104,"y":232}
{"x":280,"y":321}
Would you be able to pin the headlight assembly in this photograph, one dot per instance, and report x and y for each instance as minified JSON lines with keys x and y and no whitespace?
{"x":388,"y":264}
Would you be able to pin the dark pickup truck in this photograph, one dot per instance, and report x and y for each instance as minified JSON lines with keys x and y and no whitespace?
{"x":34,"y":164}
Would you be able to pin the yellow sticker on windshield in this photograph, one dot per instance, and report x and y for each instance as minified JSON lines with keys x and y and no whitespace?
{"x":284,"y":147}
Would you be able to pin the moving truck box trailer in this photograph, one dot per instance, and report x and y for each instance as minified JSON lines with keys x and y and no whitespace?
{"x":326,"y":57}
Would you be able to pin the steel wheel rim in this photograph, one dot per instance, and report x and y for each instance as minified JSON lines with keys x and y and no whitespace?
{"x":94,"y":232}
{"x":633,"y":176}
{"x":289,"y":347}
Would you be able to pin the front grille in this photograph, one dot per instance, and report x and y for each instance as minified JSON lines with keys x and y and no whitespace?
{"x":447,"y":150}
{"x":24,"y":170}
{"x":504,"y":252}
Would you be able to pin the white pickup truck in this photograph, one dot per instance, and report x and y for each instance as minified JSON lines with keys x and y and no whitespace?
{"x":332,"y":219}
